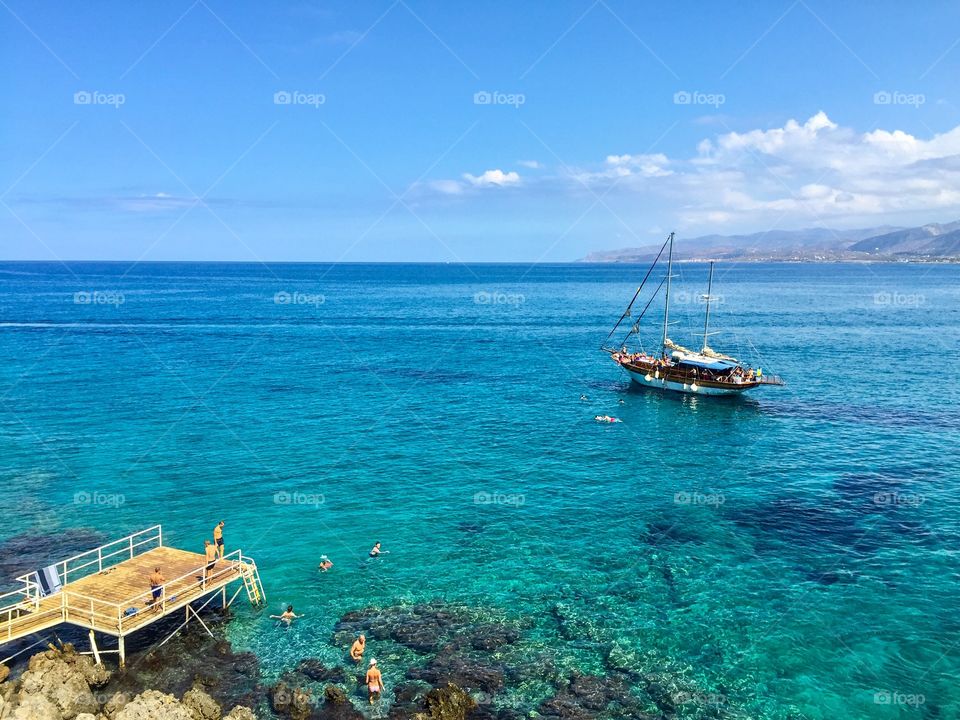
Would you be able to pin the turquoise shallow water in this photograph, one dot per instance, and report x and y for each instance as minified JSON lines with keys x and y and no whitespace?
{"x":793,"y":552}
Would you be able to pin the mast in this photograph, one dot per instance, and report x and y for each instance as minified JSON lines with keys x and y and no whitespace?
{"x":706,"y":317}
{"x":666,"y":303}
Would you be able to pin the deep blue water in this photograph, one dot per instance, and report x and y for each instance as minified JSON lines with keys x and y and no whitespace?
{"x":794,"y":552}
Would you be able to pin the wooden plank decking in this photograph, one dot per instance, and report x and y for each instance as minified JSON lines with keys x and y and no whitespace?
{"x":128,"y":584}
{"x":95,"y":601}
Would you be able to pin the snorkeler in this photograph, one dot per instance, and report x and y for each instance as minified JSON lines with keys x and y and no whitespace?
{"x":325,"y":563}
{"x":288,"y":616}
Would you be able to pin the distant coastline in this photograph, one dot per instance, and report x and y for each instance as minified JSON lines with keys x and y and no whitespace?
{"x":932,"y":243}
{"x":641,"y":260}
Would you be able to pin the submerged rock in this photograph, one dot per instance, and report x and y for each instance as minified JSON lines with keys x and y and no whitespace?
{"x":295,"y":703}
{"x":596,"y":692}
{"x":449,"y":703}
{"x":422,"y":628}
{"x":465,"y":672}
{"x":591,"y":696}
{"x":491,"y":636}
{"x":337,"y":706}
{"x":318,"y":672}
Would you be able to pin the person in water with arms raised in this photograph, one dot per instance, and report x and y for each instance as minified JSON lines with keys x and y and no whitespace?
{"x":288,"y":616}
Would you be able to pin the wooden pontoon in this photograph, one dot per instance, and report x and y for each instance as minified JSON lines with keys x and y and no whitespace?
{"x":107,"y":590}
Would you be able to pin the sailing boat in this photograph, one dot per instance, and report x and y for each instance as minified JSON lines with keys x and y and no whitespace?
{"x":674,"y":367}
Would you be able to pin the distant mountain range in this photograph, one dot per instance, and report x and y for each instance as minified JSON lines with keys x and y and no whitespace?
{"x":934,"y":242}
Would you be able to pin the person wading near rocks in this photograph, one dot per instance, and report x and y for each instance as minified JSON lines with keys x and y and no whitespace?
{"x":218,"y":538}
{"x":356,"y":650}
{"x":374,"y":681}
{"x":156,"y":586}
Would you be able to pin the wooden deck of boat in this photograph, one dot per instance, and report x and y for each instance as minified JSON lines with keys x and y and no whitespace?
{"x":90,"y":602}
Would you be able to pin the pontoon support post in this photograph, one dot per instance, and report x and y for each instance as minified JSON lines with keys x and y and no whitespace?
{"x":93,"y":647}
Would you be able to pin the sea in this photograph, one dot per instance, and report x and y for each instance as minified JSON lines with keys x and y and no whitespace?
{"x":792,"y":553}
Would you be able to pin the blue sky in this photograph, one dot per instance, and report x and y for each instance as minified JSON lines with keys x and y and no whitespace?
{"x":445,"y":131}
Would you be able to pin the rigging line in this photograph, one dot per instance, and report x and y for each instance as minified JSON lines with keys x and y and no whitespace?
{"x":636,"y":325}
{"x":637,"y":293}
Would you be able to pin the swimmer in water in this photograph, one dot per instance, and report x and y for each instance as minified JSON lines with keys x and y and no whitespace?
{"x":356,"y":650}
{"x":325,"y":563}
{"x":584,"y":397}
{"x":288,"y":616}
{"x":375,"y":550}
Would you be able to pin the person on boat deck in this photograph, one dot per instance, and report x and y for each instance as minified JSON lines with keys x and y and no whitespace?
{"x":374,"y":681}
{"x":356,"y":650}
{"x":218,"y":537}
{"x":287,"y":616}
{"x":156,"y":585}
{"x":325,"y":563}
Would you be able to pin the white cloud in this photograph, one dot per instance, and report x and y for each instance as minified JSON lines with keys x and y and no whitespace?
{"x":804,"y":173}
{"x":532,"y":164}
{"x":468,"y":184}
{"x":447,"y":187}
{"x":800,"y":173}
{"x":818,"y":169}
{"x":157,"y":202}
{"x":497,"y":178}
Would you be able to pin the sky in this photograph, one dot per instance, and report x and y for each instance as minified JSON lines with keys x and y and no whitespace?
{"x":446,"y":131}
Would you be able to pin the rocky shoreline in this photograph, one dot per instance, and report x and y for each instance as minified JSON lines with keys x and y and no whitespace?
{"x":462,"y":663}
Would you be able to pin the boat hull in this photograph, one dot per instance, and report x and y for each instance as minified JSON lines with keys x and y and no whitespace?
{"x":681,"y":381}
{"x":681,"y":387}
